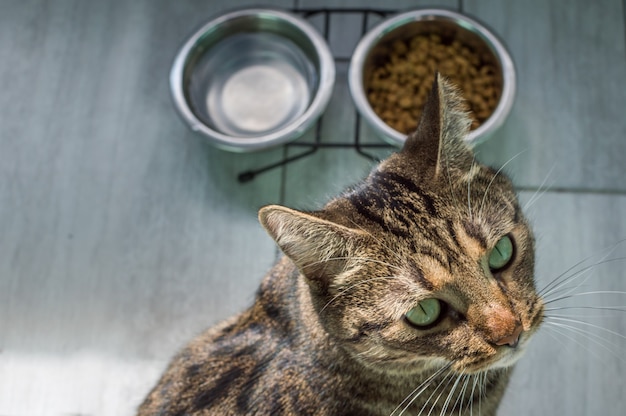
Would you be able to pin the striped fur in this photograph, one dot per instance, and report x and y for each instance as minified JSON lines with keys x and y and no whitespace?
{"x":326,"y":334}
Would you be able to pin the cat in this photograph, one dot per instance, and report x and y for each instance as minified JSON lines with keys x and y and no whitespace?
{"x":411,"y":293}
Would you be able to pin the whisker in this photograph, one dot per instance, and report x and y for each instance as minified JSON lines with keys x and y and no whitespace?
{"x":454,"y":198}
{"x":577,"y":275}
{"x":594,"y":308}
{"x":575,"y":295}
{"x":549,"y":332}
{"x":472,"y":395}
{"x":564,"y":277}
{"x":540,"y":191}
{"x":450,"y":394}
{"x":595,"y":338}
{"x":589,"y":324}
{"x":547,"y":288}
{"x":602,"y":342}
{"x":482,"y":203}
{"x":469,"y":184}
{"x":482,"y":391}
{"x":565,"y":290}
{"x":557,"y":327}
{"x":460,"y":401}
{"x":420,"y":389}
{"x":449,"y":377}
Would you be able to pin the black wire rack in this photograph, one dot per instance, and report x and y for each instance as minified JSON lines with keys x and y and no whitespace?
{"x":312,"y":147}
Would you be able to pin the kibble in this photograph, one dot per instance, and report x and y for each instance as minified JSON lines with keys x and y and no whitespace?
{"x":397,"y":89}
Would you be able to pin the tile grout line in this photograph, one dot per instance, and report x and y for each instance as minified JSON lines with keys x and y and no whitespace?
{"x":624,"y":19}
{"x":554,"y":190}
{"x":573,"y":190}
{"x":282,"y":191}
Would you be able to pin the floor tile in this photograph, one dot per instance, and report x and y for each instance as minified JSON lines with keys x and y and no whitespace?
{"x":122,"y":229}
{"x":313,"y":180}
{"x":389,"y":4}
{"x":576,"y":368}
{"x":568,"y":114}
{"x":124,"y":234}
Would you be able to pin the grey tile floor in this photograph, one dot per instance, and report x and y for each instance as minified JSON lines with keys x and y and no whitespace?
{"x":122,"y":234}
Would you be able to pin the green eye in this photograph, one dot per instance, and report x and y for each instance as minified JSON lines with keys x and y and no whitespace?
{"x":501,"y":254}
{"x":425,"y":313}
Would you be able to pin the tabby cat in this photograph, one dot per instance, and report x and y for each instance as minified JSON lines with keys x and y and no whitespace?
{"x":411,"y":293}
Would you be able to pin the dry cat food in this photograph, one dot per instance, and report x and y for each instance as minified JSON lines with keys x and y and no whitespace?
{"x":398,"y":88}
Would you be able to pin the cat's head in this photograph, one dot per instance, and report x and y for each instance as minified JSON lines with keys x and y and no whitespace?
{"x":428,"y":261}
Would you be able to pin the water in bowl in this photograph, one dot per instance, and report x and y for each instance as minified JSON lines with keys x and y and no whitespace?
{"x":252,"y":83}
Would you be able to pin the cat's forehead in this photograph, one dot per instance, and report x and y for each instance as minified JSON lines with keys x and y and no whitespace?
{"x":478,"y":198}
{"x":443,"y":226}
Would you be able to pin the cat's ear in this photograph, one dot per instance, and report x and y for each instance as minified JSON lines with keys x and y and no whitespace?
{"x":439,"y":141}
{"x":319,"y":248}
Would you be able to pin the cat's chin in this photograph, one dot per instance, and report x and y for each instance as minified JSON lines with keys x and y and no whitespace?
{"x":508,"y":358}
{"x":406,"y":365}
{"x":504,"y":358}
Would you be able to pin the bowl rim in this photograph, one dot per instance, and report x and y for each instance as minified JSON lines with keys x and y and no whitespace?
{"x":355,"y":73}
{"x":291,"y":131}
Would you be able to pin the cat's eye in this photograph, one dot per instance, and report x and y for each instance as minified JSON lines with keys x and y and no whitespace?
{"x":501,"y":254}
{"x":425,"y":313}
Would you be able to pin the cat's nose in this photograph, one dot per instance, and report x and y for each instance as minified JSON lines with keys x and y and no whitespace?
{"x":511,"y":339}
{"x":502,"y":326}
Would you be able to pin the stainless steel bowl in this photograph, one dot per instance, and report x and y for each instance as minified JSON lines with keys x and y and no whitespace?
{"x":375,"y":45}
{"x":252,"y":79}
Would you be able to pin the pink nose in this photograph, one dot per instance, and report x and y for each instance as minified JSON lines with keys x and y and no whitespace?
{"x":511,"y":339}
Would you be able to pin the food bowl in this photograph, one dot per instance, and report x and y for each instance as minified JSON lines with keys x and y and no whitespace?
{"x":458,"y":37}
{"x":252,"y":79}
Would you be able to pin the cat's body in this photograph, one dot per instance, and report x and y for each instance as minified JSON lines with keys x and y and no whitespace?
{"x":412,"y":292}
{"x":260,"y":363}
